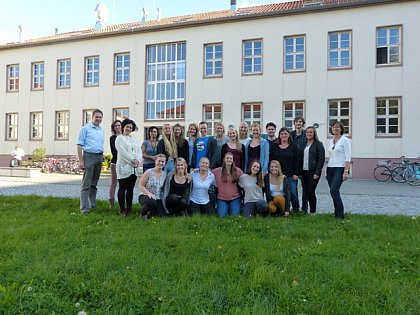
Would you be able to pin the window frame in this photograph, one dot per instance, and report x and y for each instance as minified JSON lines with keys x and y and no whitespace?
{"x":212,"y":60}
{"x":121,"y":117}
{"x":252,"y":57}
{"x":252,"y":119}
{"x":213,"y":120}
{"x":295,"y":112}
{"x":40,"y":76}
{"x":12,"y":130}
{"x":65,"y":74}
{"x":294,"y":53}
{"x":36,"y":125}
{"x":87,"y":116}
{"x":64,"y":125}
{"x":339,"y":50}
{"x":12,"y":81}
{"x":92,"y":72}
{"x":339,"y":116}
{"x":388,"y":46}
{"x":388,"y":116}
{"x":125,"y":70}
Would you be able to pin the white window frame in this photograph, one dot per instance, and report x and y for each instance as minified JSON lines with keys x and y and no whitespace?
{"x":294,"y":51}
{"x":341,"y":108}
{"x":213,"y":60}
{"x":212,"y":114}
{"x":290,"y":114}
{"x":36,"y":127}
{"x":165,"y":81}
{"x":63,"y":73}
{"x":122,"y":68}
{"x":62,"y":120}
{"x":387,"y":115}
{"x":342,"y":47}
{"x":12,"y":126}
{"x":120,"y":113}
{"x":253,"y":54}
{"x":255,"y":113}
{"x":13,"y":78}
{"x":92,"y":71}
{"x":37,"y":80}
{"x":389,"y":44}
{"x":87,"y":116}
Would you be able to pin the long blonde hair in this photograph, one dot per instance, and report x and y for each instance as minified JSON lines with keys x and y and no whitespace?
{"x":279,"y":175}
{"x":182,"y":160}
{"x":170,"y":144}
{"x":238,"y":143}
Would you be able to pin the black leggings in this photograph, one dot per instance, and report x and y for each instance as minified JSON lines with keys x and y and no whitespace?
{"x":195,"y":208}
{"x":151,"y":207}
{"x":175,"y":204}
{"x":125,"y":192}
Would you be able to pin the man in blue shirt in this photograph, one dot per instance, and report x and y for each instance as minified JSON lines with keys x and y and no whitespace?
{"x":204,"y":146}
{"x":90,"y":149}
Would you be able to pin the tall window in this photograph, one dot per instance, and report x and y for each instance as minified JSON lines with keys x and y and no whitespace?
{"x":294,"y":53}
{"x":11,"y":126}
{"x":37,"y":76}
{"x":252,"y":56}
{"x":251,"y":113}
{"x":339,"y":110}
{"x":63,"y":73}
{"x":212,"y":114}
{"x":213,"y":60}
{"x":92,"y":71}
{"x":62,"y":125}
{"x":87,"y":116}
{"x":165,"y":81}
{"x":339,"y":50}
{"x":120,"y":113}
{"x":388,"y":116}
{"x":290,"y":111}
{"x":12,"y":78}
{"x":388,"y":45}
{"x":122,"y":68}
{"x":36,"y":126}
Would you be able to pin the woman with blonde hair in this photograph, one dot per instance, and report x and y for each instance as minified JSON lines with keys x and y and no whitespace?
{"x":167,"y":146}
{"x":257,"y":148}
{"x":235,"y":147}
{"x":221,"y":139}
{"x":277,"y":191}
{"x":202,"y":179}
{"x":192,"y":134}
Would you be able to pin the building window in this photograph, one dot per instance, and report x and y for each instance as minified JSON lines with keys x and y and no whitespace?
{"x":213,"y":60}
{"x":92,"y":71}
{"x":120,"y":113}
{"x":388,"y":45}
{"x":252,"y":56}
{"x":388,"y":117}
{"x":63,"y":73}
{"x":36,"y":126}
{"x":37,"y":76}
{"x":294,"y":53}
{"x":62,"y":125}
{"x":212,"y":114}
{"x":12,"y":126}
{"x":87,"y":116}
{"x":290,"y":111}
{"x":12,"y":78}
{"x":122,"y":68}
{"x":251,"y":113}
{"x":339,"y":50}
{"x":165,"y":81}
{"x":339,"y":110}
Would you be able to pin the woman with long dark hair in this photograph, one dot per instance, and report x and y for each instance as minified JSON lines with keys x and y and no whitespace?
{"x":149,"y":148}
{"x":116,"y":131}
{"x":182,"y":146}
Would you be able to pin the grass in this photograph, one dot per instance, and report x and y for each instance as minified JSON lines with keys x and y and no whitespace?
{"x":55,"y":261}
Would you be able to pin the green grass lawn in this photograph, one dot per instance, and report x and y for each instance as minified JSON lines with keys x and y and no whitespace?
{"x":55,"y":261}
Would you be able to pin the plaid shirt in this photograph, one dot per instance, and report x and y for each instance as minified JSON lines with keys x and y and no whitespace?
{"x":299,"y":141}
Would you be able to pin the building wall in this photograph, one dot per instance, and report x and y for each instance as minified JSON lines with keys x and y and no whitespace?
{"x":363,"y":83}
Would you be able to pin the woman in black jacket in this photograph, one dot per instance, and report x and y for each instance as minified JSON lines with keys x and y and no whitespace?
{"x":311,"y":166}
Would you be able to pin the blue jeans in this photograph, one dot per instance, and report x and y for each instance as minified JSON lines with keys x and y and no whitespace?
{"x":294,"y":197}
{"x":231,"y":207}
{"x":252,"y":208}
{"x":335,"y":179}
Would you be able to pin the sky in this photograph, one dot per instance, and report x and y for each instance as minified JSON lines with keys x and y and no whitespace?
{"x":40,"y":18}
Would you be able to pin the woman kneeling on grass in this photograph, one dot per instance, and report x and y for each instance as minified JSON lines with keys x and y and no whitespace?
{"x":227,"y":177}
{"x":277,"y":191}
{"x":201,"y":182}
{"x":151,"y":184}
{"x":176,"y":193}
{"x":253,"y":183}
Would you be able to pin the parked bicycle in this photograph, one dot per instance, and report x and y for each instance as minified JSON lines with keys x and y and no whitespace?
{"x":72,"y":165}
{"x":412,"y":173}
{"x":384,"y":170}
{"x":52,"y":165}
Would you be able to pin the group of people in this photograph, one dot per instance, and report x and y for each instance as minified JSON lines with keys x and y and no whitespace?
{"x":229,"y":173}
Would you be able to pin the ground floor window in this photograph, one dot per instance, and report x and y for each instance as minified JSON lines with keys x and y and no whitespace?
{"x":388,"y":116}
{"x":212,"y":114}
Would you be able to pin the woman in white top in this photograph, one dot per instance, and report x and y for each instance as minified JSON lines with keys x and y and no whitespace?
{"x":128,"y":162}
{"x":199,"y":196}
{"x":338,"y":168}
{"x":253,"y":183}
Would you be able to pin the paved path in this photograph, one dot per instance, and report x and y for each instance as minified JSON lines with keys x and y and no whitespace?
{"x":359,"y":196}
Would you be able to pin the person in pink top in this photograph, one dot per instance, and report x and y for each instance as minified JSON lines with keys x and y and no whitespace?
{"x":227,"y":177}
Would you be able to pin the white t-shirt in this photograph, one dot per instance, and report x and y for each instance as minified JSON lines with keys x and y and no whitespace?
{"x":339,"y":152}
{"x":200,"y":188}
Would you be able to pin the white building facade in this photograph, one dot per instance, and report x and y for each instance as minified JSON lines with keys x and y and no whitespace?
{"x":353,"y":61}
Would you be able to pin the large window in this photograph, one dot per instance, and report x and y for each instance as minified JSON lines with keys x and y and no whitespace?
{"x":62,"y":125}
{"x":92,"y":71}
{"x":388,"y":45}
{"x":87,"y":116}
{"x":340,"y":110}
{"x":339,"y":50}
{"x":213,"y":60}
{"x":252,"y":56}
{"x":12,"y":126}
{"x":212,"y":114}
{"x":12,"y":78}
{"x":388,"y":116}
{"x":36,"y":126}
{"x":120,"y":113}
{"x":37,"y":76}
{"x":292,"y":110}
{"x":294,"y":53}
{"x":122,"y":68}
{"x":251,"y":113}
{"x":165,"y":81}
{"x":63,"y":73}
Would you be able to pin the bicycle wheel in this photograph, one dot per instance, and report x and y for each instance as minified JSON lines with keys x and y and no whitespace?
{"x":382,"y":173}
{"x":412,"y":178}
{"x":398,"y":174}
{"x":45,"y":167}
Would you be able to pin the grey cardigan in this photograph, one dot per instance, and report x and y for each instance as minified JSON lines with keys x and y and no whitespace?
{"x":167,"y":188}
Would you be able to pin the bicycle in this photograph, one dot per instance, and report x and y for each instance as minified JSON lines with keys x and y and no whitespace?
{"x":412,"y":174}
{"x":383,"y":170}
{"x":72,"y":165}
{"x":398,"y":172}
